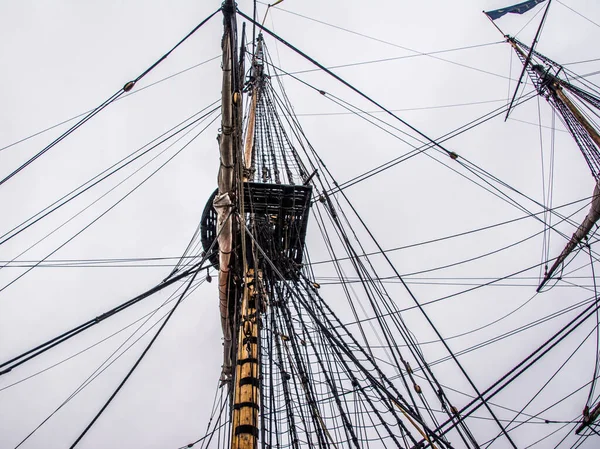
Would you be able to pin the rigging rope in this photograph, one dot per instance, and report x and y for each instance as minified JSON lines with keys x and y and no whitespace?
{"x":114,"y":394}
{"x":126,"y":88}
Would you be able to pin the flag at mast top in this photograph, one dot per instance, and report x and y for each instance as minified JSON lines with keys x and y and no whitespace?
{"x":519,"y":8}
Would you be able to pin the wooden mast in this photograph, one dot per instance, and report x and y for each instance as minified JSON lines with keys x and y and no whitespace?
{"x":224,"y":200}
{"x":246,"y":398}
{"x":244,"y":366}
{"x":552,"y":88}
{"x":246,"y":395}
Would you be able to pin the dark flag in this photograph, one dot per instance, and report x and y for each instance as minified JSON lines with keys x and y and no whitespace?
{"x":515,"y":9}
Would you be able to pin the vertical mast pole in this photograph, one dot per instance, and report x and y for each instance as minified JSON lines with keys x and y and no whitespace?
{"x":246,"y":396}
{"x":257,"y":72}
{"x":223,"y":202}
{"x":242,"y":350}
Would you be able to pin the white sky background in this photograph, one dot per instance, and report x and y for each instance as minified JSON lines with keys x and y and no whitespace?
{"x":62,"y":58}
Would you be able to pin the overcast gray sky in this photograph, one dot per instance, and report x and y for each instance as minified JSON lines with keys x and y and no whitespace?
{"x":62,"y":58}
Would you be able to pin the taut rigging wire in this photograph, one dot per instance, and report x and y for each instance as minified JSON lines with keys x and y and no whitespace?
{"x":117,"y":166}
{"x":459,"y":234}
{"x":579,"y":14}
{"x":173,"y":75}
{"x":549,"y":380}
{"x":92,"y":345}
{"x":34,"y":352}
{"x":108,"y":362}
{"x":30,"y":354}
{"x":111,"y":207}
{"x":129,"y":94}
{"x":474,"y":169}
{"x":126,"y":88}
{"x":417,"y":53}
{"x":158,"y":332}
{"x":525,"y":364}
{"x":398,"y":58}
{"x":191,"y":272}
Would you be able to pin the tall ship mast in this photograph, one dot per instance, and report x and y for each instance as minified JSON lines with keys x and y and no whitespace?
{"x":578,"y":108}
{"x":357,"y":276}
{"x":280,"y":339}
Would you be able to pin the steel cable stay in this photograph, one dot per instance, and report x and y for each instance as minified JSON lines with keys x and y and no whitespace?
{"x":478,"y":172}
{"x":63,"y":136}
{"x":468,"y":260}
{"x":328,"y":330}
{"x":493,"y":281}
{"x":552,"y":377}
{"x":501,"y":195}
{"x":107,"y":363}
{"x":367,"y":319}
{"x":68,"y":262}
{"x":578,"y":13}
{"x":529,"y":325}
{"x":597,"y":361}
{"x":330,"y":429}
{"x":347,"y":289}
{"x":307,"y":379}
{"x":206,"y":439}
{"x":561,"y":233}
{"x":363,"y":283}
{"x":377,"y":335}
{"x":417,"y":359}
{"x":30,"y":354}
{"x":530,"y":417}
{"x":324,"y":431}
{"x":116,"y":167}
{"x":433,"y":142}
{"x":446,"y":297}
{"x":420,"y":149}
{"x":126,"y":88}
{"x":111,"y":190}
{"x":443,"y":163}
{"x":158,"y":332}
{"x":416,"y":150}
{"x":129,"y":94}
{"x":90,"y":346}
{"x":500,"y":407}
{"x":131,"y":191}
{"x":62,"y":263}
{"x":191,"y":273}
{"x":292,"y":292}
{"x":366,"y":280}
{"x":407,"y":335}
{"x":459,"y":365}
{"x":500,"y":337}
{"x":416,"y":53}
{"x":541,"y":320}
{"x":399,"y":58}
{"x":421,"y":108}
{"x":12,"y":363}
{"x":460,"y":234}
{"x":525,"y":364}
